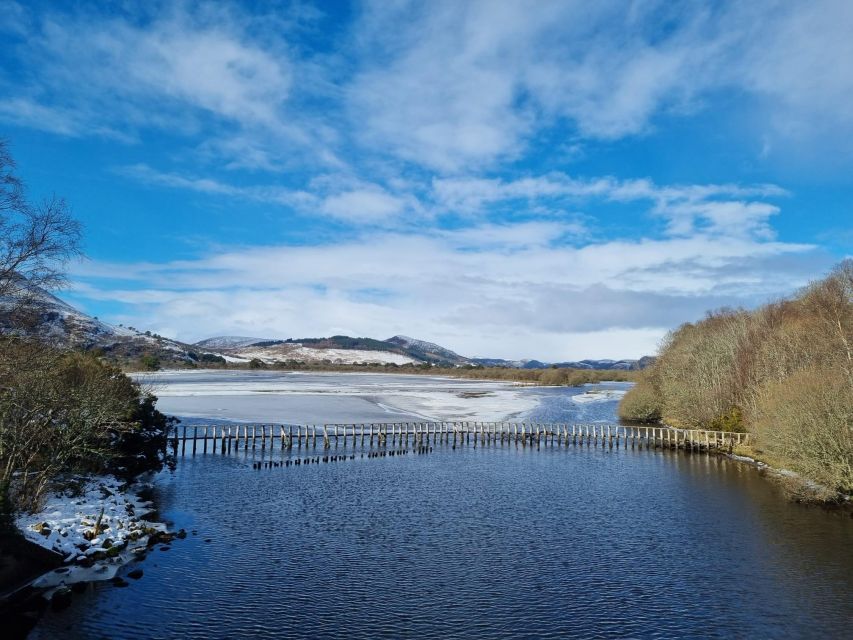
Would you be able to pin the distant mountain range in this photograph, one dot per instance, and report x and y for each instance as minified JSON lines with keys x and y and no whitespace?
{"x":55,"y":321}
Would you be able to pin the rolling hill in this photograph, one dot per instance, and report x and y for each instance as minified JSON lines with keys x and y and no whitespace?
{"x":57,"y":322}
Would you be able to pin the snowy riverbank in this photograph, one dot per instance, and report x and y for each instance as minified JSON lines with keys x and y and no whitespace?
{"x":96,"y":525}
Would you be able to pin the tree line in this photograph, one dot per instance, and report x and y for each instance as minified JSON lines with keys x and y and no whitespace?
{"x":552,"y":376}
{"x":783,"y":372}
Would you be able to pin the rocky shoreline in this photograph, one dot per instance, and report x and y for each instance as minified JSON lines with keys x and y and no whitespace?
{"x":88,"y":530}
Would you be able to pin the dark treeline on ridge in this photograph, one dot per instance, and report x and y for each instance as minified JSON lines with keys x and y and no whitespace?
{"x":783,"y":372}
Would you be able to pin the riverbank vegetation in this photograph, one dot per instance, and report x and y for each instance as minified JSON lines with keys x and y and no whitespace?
{"x":783,"y":372}
{"x":60,"y":411}
{"x":544,"y":377}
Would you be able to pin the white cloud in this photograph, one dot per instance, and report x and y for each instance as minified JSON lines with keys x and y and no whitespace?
{"x":173,"y":60}
{"x":443,"y":85}
{"x":364,"y":205}
{"x":342,"y":197}
{"x":178,"y":69}
{"x":798,"y":57}
{"x":467,"y":86}
{"x":508,"y":295}
{"x":713,"y":209}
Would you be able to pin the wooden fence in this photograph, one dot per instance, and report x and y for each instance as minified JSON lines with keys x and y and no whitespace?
{"x":202,"y":438}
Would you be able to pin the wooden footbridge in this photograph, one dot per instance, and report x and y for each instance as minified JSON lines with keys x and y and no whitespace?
{"x":204,"y":438}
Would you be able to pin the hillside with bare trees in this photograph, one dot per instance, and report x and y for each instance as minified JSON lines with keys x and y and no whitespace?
{"x":783,"y":372}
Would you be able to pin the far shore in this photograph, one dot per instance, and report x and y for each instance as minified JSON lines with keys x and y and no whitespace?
{"x":522,"y":377}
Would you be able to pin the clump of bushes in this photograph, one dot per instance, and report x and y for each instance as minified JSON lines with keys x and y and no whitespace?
{"x":641,"y":403}
{"x":150,"y":362}
{"x":783,"y":372}
{"x":69,"y":412}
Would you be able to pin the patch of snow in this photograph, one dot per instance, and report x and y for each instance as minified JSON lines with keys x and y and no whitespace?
{"x":598,"y":395}
{"x":294,"y":351}
{"x":66,"y":521}
{"x":229,"y":342}
{"x":232,"y":358}
{"x":426,"y":347}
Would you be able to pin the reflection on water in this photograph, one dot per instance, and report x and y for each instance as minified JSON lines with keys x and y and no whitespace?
{"x":496,"y":541}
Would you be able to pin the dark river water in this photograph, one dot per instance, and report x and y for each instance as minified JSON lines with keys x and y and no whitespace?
{"x":497,"y":541}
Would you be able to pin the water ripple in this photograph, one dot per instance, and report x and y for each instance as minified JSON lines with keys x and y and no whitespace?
{"x":493,"y":542}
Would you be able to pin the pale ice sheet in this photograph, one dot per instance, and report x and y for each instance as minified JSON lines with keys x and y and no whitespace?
{"x":334,"y":397}
{"x":599,"y":395}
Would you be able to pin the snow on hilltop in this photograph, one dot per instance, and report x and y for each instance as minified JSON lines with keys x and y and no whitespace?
{"x":229,"y":342}
{"x":427,"y":350}
{"x":58,"y":323}
{"x":297,"y":352}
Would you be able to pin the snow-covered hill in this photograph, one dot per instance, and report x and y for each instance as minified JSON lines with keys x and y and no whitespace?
{"x":427,"y":351}
{"x":228,"y":342}
{"x":284,"y":352}
{"x":59,"y":323}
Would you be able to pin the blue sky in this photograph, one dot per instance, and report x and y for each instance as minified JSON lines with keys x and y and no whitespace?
{"x":555,"y":180}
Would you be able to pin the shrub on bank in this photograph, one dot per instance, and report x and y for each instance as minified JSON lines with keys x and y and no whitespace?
{"x":69,"y":412}
{"x":807,"y":421}
{"x":641,"y":403}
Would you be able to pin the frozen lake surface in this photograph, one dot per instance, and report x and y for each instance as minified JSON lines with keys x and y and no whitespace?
{"x":309,"y":398}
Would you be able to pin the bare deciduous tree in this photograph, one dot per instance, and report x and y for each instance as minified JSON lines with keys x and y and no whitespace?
{"x":783,"y":371}
{"x":36,"y":240}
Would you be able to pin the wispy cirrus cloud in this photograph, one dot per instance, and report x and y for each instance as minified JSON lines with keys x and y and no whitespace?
{"x":455,"y":88}
{"x":724,"y":209}
{"x":437,"y":85}
{"x":345,"y":199}
{"x":169,"y":68}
